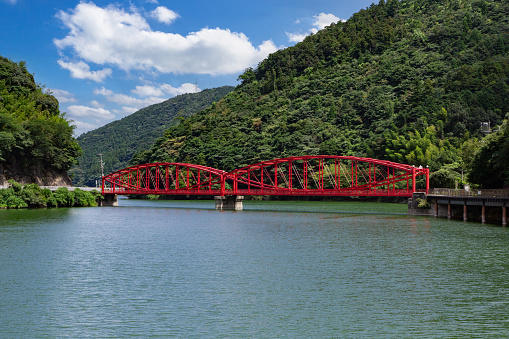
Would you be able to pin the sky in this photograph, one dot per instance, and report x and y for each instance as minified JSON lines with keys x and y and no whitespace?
{"x":104,"y":60}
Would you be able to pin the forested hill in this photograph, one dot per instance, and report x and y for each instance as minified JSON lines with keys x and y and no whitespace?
{"x":409,"y":81}
{"x":119,"y":140}
{"x":36,"y":143}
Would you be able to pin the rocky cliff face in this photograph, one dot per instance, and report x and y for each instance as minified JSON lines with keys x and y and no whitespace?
{"x":39,"y":176}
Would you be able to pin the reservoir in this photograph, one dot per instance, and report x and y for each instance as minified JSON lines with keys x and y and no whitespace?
{"x":275,"y":270}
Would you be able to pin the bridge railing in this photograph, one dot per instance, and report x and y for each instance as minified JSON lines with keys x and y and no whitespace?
{"x":54,"y":188}
{"x":497,"y":193}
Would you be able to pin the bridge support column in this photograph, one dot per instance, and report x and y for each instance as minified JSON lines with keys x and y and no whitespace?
{"x":504,"y":215}
{"x":229,"y":202}
{"x":465,"y":218}
{"x":109,"y":200}
{"x":418,"y":204}
{"x":483,"y":214}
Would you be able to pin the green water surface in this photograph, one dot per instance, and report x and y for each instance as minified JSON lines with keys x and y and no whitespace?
{"x":275,"y":270}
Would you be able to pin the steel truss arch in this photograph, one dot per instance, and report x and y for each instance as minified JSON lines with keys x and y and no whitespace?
{"x":313,"y":175}
{"x":327,"y":175}
{"x":165,"y":178}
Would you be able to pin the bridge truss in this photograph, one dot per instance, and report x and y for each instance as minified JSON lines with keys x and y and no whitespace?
{"x":322,"y":175}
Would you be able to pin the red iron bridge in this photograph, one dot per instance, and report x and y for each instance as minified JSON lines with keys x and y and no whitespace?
{"x":320,"y":175}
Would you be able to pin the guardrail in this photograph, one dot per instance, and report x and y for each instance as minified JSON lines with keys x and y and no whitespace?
{"x":54,"y":188}
{"x":498,"y":193}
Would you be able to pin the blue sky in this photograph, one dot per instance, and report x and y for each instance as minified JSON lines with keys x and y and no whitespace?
{"x":104,"y":60}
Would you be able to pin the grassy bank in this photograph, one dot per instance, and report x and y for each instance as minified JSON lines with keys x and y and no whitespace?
{"x":32,"y":196}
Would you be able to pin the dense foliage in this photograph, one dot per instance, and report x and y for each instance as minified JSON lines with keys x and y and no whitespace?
{"x":31,"y":195}
{"x":34,"y":135}
{"x":490,"y":166}
{"x":119,"y":140}
{"x":409,"y":81}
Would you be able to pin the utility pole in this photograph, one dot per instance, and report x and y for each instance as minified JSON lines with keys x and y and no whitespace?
{"x":102,"y":164}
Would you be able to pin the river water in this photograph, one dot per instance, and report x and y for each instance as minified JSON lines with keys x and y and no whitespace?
{"x":275,"y":270}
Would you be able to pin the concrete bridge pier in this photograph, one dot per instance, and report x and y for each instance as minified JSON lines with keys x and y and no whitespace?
{"x":109,"y":200}
{"x":504,"y":215}
{"x":229,"y":202}
{"x":478,"y":206}
{"x":414,"y":207}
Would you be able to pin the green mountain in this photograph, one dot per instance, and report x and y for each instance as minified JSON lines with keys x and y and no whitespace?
{"x":119,"y":140}
{"x":36,"y":143}
{"x":409,"y":81}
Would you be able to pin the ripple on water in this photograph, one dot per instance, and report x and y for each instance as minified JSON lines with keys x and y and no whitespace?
{"x":274,"y":270}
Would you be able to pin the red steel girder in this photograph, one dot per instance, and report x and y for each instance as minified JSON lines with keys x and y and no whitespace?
{"x":318,"y":175}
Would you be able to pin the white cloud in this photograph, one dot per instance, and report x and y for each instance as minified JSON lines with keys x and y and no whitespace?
{"x":81,"y":70}
{"x":62,"y":95}
{"x":321,"y":21}
{"x":296,"y":37}
{"x":164,"y":15}
{"x":82,"y":127}
{"x":97,"y":114}
{"x":147,"y":91}
{"x":183,"y":89}
{"x":112,"y":36}
{"x":125,"y":100}
{"x":126,"y":110}
{"x":96,"y":104}
{"x":12,"y":2}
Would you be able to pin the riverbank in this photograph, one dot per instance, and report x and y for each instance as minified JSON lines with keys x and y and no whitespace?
{"x":32,"y":196}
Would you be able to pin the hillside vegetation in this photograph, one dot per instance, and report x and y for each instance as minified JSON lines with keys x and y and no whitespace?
{"x":119,"y":140}
{"x":408,"y":81}
{"x":36,"y":143}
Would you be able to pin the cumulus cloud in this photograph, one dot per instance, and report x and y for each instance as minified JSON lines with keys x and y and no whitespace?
{"x":148,"y":91}
{"x":183,"y":89}
{"x":126,"y":100}
{"x":296,"y":37}
{"x":320,"y":21}
{"x":81,"y":70}
{"x":82,"y":127}
{"x":126,"y":110}
{"x":164,"y":15}
{"x":164,"y":90}
{"x":323,"y":20}
{"x":62,"y":95}
{"x":113,"y":36}
{"x":96,"y":104}
{"x":96,"y":113}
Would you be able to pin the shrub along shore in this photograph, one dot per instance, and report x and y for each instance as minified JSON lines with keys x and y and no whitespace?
{"x":32,"y":196}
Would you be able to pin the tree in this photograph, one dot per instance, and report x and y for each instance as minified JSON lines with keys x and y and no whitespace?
{"x":490,"y":166}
